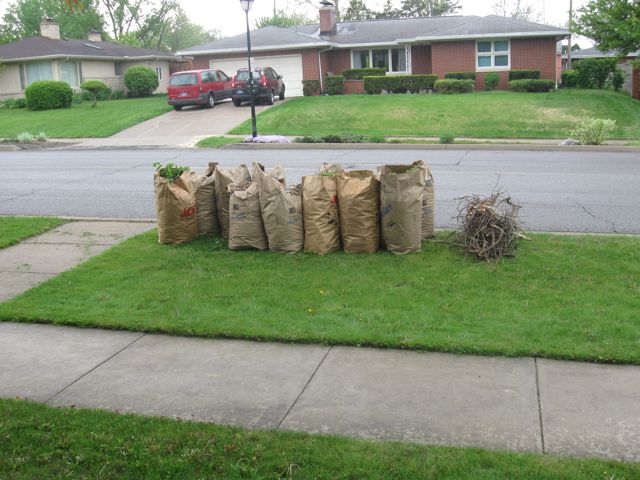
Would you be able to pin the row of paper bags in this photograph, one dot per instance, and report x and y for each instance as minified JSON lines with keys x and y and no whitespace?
{"x":355,"y":210}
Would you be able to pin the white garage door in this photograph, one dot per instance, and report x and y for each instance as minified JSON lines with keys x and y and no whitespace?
{"x":289,"y":66}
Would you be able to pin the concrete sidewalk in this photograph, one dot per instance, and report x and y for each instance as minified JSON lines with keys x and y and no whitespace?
{"x":525,"y":404}
{"x":39,"y":258}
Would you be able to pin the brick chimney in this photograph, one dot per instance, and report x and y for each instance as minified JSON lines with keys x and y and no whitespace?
{"x":50,"y":29}
{"x":94,"y":36}
{"x":327,"y":18}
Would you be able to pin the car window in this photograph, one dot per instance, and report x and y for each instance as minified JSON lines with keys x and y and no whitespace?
{"x":183,"y":79}
{"x":223,"y":76}
{"x":243,"y":75}
{"x":214,"y":77}
{"x":205,"y":77}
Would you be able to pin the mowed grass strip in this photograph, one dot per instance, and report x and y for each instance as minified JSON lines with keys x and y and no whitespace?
{"x":217,"y":142}
{"x":81,"y":120}
{"x":15,"y":229}
{"x":482,"y":114}
{"x":563,"y":297}
{"x":37,"y":441}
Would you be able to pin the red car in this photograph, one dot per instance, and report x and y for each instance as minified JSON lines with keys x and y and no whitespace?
{"x":198,"y":87}
{"x":268,"y":85}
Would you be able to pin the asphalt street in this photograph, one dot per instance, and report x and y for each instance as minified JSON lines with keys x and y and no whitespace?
{"x":559,"y":191}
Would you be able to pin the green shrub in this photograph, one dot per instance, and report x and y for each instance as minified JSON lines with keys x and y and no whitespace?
{"x":569,"y":78}
{"x":14,"y":103}
{"x":617,"y":79}
{"x":310,"y":87}
{"x":96,"y":88}
{"x":41,"y":137}
{"x":532,"y":86}
{"x":460,"y":75}
{"x":48,"y":94}
{"x":399,"y":83}
{"x":360,"y":73}
{"x":594,"y":72}
{"x":454,"y":86}
{"x":523,"y":74}
{"x":447,"y":138}
{"x":117,"y":95}
{"x":78,"y":97}
{"x":491,"y":81}
{"x":334,"y":85}
{"x":593,"y":131}
{"x":25,"y":137}
{"x":141,"y":81}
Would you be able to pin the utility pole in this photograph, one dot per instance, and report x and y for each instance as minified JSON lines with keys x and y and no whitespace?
{"x":569,"y":42}
{"x":275,"y":12}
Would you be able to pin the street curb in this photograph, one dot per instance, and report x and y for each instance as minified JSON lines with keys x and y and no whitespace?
{"x":413,"y":146}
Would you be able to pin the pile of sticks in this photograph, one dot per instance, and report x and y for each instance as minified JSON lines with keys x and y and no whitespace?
{"x":488,"y":228}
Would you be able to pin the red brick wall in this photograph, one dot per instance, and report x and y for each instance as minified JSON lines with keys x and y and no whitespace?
{"x":537,"y":53}
{"x":453,"y":57}
{"x":339,"y":61}
{"x":353,"y":86}
{"x":635,"y":88}
{"x":420,"y":59}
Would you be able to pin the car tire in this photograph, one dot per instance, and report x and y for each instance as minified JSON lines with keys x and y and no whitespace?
{"x":211,"y":101}
{"x":177,"y":108}
{"x":281,"y":96}
{"x":271,"y":98}
{"x":236,"y":103}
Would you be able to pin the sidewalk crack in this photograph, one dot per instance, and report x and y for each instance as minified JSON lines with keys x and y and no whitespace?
{"x":94,"y":368}
{"x":544,"y":449}
{"x":304,"y":388}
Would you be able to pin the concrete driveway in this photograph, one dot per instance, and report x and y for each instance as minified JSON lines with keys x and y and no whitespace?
{"x":179,"y":129}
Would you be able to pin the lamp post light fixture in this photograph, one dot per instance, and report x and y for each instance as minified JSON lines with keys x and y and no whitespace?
{"x":246,"y":6}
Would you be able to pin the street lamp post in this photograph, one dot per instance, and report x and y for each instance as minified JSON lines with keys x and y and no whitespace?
{"x":246,"y":6}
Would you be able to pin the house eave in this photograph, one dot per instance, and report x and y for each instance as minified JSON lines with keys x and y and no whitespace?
{"x":267,"y":48}
{"x":88,"y":57}
{"x":446,"y":38}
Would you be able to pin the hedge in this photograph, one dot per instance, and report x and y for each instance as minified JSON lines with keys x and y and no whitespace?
{"x":524,"y":74}
{"x":48,"y":94}
{"x":454,"y":86}
{"x":569,"y":78}
{"x":595,"y":72}
{"x":310,"y":87}
{"x":491,"y":81}
{"x":360,"y":73}
{"x":141,"y":81}
{"x":460,"y":75}
{"x":531,"y":85}
{"x":334,"y":85}
{"x":399,"y":83}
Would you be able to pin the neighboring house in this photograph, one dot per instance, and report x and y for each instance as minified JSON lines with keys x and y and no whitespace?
{"x":631,"y":74}
{"x":48,"y":57}
{"x":434,"y":45}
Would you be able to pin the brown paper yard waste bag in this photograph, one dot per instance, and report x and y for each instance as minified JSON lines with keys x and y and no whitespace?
{"x":203,"y":184}
{"x":401,"y":193}
{"x":428,"y":201}
{"x":320,"y":210}
{"x":281,"y":212}
{"x":358,"y":205}
{"x":246,"y":230}
{"x":223,"y":178}
{"x":176,"y":209}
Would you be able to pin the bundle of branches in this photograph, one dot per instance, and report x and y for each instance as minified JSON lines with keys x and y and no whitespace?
{"x":488,"y":227}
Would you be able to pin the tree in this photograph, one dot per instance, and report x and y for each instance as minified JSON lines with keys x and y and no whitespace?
{"x":314,"y":4}
{"x":427,"y":8}
{"x":357,"y":11}
{"x":283,"y":19}
{"x":612,"y":24}
{"x":516,"y":9}
{"x":22,"y":19}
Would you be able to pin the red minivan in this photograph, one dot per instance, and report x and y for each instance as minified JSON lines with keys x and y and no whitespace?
{"x":198,"y":87}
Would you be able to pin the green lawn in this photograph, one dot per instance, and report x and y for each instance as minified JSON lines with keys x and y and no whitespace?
{"x":14,"y":229}
{"x":482,"y":114}
{"x":37,"y":441}
{"x":81,"y":120}
{"x":563,"y":297}
{"x":217,"y":142}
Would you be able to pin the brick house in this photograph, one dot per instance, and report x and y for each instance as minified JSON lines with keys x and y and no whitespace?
{"x":49,"y":57}
{"x":429,"y":45}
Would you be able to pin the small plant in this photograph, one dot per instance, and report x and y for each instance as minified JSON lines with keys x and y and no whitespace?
{"x":25,"y":137}
{"x":334,"y":85}
{"x":117,"y":95}
{"x":310,"y":87}
{"x":170,"y":171}
{"x":617,"y":79}
{"x":491,"y":81}
{"x":41,"y":137}
{"x":593,"y":131}
{"x":94,"y":87}
{"x":12,"y":103}
{"x":447,"y":138}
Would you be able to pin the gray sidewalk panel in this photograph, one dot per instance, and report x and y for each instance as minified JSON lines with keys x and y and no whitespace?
{"x":422,"y":397}
{"x":92,"y":233}
{"x":229,"y":382}
{"x":15,"y":283}
{"x":45,"y":258}
{"x":39,"y":360}
{"x":590,"y":410}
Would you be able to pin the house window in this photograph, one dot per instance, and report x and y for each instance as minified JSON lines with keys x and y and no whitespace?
{"x":69,"y":73}
{"x":493,"y":55}
{"x":159,"y":72}
{"x":39,"y":71}
{"x":117,"y":68}
{"x":391,"y":59}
